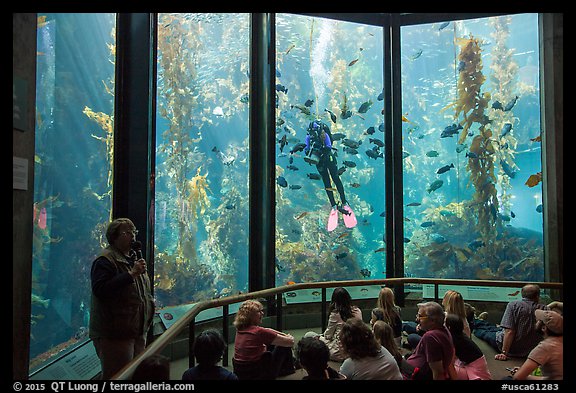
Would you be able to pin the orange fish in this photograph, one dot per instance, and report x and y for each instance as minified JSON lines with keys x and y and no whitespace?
{"x":290,"y":283}
{"x":42,"y":219}
{"x":533,"y":180}
{"x":405,"y":119}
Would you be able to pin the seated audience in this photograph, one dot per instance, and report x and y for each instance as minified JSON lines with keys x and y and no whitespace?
{"x":376,"y":315}
{"x":385,"y":336}
{"x":313,"y":355}
{"x":392,"y":316}
{"x":433,"y":356}
{"x":339,"y":311}
{"x":208,"y":350}
{"x":469,"y":362}
{"x":516,"y":335}
{"x":453,"y":303}
{"x":549,"y":353}
{"x":367,"y":359}
{"x":259,"y":352}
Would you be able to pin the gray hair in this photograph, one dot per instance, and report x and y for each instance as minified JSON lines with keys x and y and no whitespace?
{"x":434,"y":312}
{"x":113,"y":230}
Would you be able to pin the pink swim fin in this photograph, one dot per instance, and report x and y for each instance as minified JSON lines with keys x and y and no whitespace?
{"x":332,"y":220}
{"x":349,"y":219}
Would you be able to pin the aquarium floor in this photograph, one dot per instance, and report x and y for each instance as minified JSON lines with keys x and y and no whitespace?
{"x":497,"y":368}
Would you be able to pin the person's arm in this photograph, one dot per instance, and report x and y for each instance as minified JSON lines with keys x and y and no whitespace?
{"x":437,"y":370}
{"x":283,"y":340}
{"x":106,"y":281}
{"x":525,"y":370}
{"x":507,"y":341}
{"x":307,"y":141}
{"x":327,"y":141}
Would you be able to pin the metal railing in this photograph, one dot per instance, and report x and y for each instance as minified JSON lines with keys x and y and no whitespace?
{"x":188,"y":319}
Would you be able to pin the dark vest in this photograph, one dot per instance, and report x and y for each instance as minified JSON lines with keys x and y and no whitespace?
{"x":130,"y":313}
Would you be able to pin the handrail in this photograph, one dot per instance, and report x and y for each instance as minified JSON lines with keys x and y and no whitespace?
{"x":173,"y":331}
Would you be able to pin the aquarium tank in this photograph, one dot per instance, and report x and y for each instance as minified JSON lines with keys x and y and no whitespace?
{"x":470,"y":138}
{"x":74,"y":149}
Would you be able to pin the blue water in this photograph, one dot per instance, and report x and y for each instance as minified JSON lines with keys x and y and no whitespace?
{"x":202,"y":158}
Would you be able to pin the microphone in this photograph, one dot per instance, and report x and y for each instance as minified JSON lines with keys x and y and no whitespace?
{"x":137,"y":247}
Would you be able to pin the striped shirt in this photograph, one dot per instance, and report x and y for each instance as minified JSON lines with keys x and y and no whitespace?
{"x":519,"y":316}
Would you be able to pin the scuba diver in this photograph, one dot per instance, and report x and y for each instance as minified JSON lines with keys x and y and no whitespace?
{"x":318,"y":151}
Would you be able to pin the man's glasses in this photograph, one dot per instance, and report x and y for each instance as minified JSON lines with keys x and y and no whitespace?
{"x":418,"y":316}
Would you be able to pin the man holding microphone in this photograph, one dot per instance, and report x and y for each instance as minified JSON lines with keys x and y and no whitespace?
{"x":122,"y":306}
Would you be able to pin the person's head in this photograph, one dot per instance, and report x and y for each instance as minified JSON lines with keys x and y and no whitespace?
{"x":153,"y":368}
{"x":313,"y":355}
{"x":551,"y":322}
{"x":557,"y":306}
{"x":377,"y":314}
{"x":250,"y":313}
{"x":209,"y":347}
{"x":384,"y":334}
{"x":341,"y":301}
{"x":120,"y":233}
{"x":358,"y":340}
{"x":386,"y":299}
{"x":430,"y":315}
{"x":454,"y":303}
{"x":531,"y":292}
{"x":454,"y":324}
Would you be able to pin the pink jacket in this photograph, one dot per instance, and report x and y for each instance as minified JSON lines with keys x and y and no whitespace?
{"x":478,"y":369}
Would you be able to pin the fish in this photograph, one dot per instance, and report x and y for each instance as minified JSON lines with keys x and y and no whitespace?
{"x":303,"y":109}
{"x":313,"y":176}
{"x":341,"y":255}
{"x":301,"y":215}
{"x":370,"y":131}
{"x":381,"y":96}
{"x":450,"y":130}
{"x":437,"y":238}
{"x":295,"y":186}
{"x":337,"y":136}
{"x":349,"y":164}
{"x":432,"y":153}
{"x":414,"y":204}
{"x":290,"y":48}
{"x":343,"y":235}
{"x":461,"y":147}
{"x":281,"y":181}
{"x":461,"y":66}
{"x":332,"y":115}
{"x":497,"y":105}
{"x":365,"y":106}
{"x":281,"y":88}
{"x":283,"y":142}
{"x":290,"y":282}
{"x":505,"y":129}
{"x":245,"y":98}
{"x":533,"y":180}
{"x":443,"y":26}
{"x":341,"y":170}
{"x":445,"y":168}
{"x":539,"y":208}
{"x":376,"y":141}
{"x":353,"y":62}
{"x":292,"y":167}
{"x":475,"y":244}
{"x":374,"y":153}
{"x":297,"y":147}
{"x":354,"y":185}
{"x":350,"y":150}
{"x":308,"y":103}
{"x":416,"y":55}
{"x":380,"y":249}
{"x":365,"y":273}
{"x":405,"y":119}
{"x":351,"y":143}
{"x":434,"y":186}
{"x":507,"y":169}
{"x":427,"y":224}
{"x":230,"y":206}
{"x":472,"y":155}
{"x":510,"y":105}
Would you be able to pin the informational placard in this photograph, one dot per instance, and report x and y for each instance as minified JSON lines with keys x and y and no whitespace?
{"x":315,"y":295}
{"x":169,"y":315}
{"x":81,"y":363}
{"x":469,"y":292}
{"x":19,"y":173}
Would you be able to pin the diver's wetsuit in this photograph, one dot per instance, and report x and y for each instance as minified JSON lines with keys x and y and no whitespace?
{"x":327,"y":165}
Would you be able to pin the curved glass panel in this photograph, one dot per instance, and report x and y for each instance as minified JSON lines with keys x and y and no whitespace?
{"x":201,"y":192}
{"x":74,"y":144}
{"x":471,"y":141}
{"x":331,"y":71}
